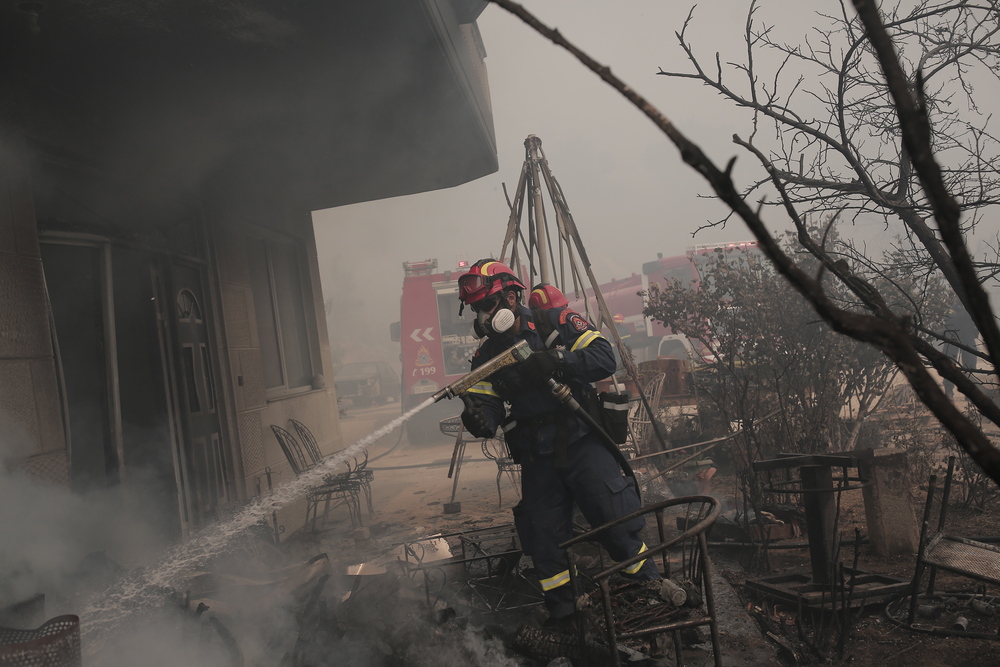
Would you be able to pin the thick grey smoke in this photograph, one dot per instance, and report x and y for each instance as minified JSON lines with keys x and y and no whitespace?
{"x":49,"y":531}
{"x":71,"y":546}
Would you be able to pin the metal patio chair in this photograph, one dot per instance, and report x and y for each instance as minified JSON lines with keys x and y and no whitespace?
{"x":683,"y":555}
{"x":495,"y":449}
{"x":332,"y":490}
{"x":480,"y":568}
{"x":357,"y":470}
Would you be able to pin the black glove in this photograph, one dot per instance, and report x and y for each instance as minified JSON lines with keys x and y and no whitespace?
{"x":475,"y":419}
{"x":543,"y":364}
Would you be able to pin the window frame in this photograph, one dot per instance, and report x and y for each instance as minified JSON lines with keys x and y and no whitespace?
{"x":297,"y":246}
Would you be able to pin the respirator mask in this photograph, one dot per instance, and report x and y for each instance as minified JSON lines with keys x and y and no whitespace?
{"x":491,"y":320}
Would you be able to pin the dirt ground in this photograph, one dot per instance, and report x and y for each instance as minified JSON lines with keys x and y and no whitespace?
{"x":412,"y":488}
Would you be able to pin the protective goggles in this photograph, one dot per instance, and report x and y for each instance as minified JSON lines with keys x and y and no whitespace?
{"x":469,"y":285}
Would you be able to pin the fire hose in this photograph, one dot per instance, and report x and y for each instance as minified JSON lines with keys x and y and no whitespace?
{"x":512,"y":355}
{"x":516,"y":354}
{"x":563,"y":394}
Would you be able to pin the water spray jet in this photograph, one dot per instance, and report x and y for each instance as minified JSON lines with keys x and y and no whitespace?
{"x":145,"y":589}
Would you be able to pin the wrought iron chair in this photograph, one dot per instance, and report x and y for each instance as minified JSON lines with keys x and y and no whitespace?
{"x":495,"y":449}
{"x":333,"y":488}
{"x":683,"y":555}
{"x":358,"y":471}
{"x":480,"y":568}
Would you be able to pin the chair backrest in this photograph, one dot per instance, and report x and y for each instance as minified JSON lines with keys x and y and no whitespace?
{"x":495,"y":449}
{"x":359,"y":466}
{"x":312,"y":447}
{"x":56,"y":642}
{"x":292,"y":449}
{"x":451,"y":425}
{"x":695,"y":518}
{"x":698,"y":513}
{"x":653,"y":389}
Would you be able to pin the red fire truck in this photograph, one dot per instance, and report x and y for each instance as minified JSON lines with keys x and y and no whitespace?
{"x":435,"y":343}
{"x":646,"y":338}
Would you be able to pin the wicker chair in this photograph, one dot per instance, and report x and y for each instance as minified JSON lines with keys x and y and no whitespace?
{"x":55,"y":643}
{"x":333,"y":488}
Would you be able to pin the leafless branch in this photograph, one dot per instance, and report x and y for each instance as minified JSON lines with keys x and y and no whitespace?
{"x":891,"y":334}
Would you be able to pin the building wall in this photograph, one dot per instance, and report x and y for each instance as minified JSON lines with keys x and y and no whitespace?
{"x":256,"y":407}
{"x":30,"y":413}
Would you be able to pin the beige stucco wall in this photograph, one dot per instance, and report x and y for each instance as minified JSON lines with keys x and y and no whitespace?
{"x":30,"y":415}
{"x":255,"y":411}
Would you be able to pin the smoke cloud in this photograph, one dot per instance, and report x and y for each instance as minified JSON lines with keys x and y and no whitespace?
{"x":50,"y":530}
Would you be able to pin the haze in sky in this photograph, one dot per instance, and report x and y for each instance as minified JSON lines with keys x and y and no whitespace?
{"x":630,"y":194}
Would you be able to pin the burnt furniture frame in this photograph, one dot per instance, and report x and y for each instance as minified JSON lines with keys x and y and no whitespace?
{"x":821,"y":478}
{"x":695,"y":564}
{"x":484,"y":566}
{"x":819,"y":488}
{"x":959,"y":555}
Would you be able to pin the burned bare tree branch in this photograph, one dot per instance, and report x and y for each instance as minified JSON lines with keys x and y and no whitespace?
{"x":915,"y":127}
{"x":861,"y":118}
{"x":890,"y":333}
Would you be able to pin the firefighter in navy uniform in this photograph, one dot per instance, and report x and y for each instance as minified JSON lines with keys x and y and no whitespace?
{"x":562,"y":461}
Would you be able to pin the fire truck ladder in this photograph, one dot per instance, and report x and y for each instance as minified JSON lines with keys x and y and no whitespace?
{"x":535,"y":248}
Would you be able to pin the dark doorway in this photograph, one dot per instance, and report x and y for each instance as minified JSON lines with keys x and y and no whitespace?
{"x":134,"y":335}
{"x":74,"y":275}
{"x":147,"y":431}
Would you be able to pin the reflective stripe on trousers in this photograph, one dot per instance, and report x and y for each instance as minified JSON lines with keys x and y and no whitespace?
{"x":556,"y":581}
{"x":635,"y":567}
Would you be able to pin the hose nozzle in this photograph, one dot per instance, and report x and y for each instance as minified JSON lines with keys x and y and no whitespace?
{"x":512,"y":355}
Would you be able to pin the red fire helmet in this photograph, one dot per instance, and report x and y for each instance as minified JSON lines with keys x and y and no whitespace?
{"x":545,"y":296}
{"x":486,"y":278}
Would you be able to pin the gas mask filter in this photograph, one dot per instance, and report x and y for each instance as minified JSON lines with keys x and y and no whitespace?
{"x":502,"y":320}
{"x":498,"y":322}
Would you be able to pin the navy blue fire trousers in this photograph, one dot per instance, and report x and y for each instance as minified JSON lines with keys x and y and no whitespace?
{"x":544,"y":517}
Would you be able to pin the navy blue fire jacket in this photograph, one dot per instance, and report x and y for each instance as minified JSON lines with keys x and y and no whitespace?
{"x":535,"y":415}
